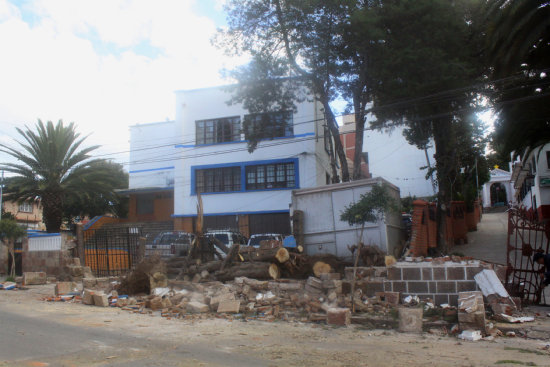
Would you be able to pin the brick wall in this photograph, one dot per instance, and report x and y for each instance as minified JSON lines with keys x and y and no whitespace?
{"x":438,"y":282}
{"x":50,"y":262}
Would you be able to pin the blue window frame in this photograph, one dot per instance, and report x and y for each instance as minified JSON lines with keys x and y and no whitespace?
{"x":281,"y":174}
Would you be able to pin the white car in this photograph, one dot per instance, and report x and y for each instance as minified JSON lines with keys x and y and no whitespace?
{"x":255,"y":239}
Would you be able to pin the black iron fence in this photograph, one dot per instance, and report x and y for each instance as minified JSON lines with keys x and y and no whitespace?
{"x":111,"y":251}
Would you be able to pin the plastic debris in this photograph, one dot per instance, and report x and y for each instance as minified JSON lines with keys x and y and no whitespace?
{"x":470,"y":335}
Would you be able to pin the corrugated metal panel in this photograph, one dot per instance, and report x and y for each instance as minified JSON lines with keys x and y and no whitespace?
{"x":489,"y":283}
{"x":45,"y":243}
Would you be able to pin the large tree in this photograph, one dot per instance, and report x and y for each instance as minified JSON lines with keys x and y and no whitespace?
{"x":100,"y":203}
{"x":518,"y":46}
{"x":300,"y":48}
{"x":10,"y":231}
{"x":431,"y":60}
{"x":52,"y":166}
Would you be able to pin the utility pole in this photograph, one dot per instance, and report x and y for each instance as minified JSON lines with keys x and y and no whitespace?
{"x":1,"y":193}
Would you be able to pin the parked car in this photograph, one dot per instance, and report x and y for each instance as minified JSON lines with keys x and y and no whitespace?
{"x":175,"y":243}
{"x":226,"y":237}
{"x":255,"y":239}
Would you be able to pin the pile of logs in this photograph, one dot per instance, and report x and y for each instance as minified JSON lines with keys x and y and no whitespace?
{"x":269,"y":261}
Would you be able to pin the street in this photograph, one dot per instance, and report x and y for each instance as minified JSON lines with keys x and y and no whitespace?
{"x":39,"y":333}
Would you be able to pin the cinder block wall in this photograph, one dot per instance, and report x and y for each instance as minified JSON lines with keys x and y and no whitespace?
{"x":50,"y":262}
{"x":438,"y":282}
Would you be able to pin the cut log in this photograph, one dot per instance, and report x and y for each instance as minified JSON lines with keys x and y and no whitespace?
{"x":233,"y":252}
{"x":274,"y":271}
{"x":300,"y":249}
{"x":321,"y":268}
{"x":255,"y":270}
{"x":282,"y":255}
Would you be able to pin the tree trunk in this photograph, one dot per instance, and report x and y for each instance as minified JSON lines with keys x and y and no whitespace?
{"x":255,"y":270}
{"x":442,"y":133}
{"x":339,"y":148}
{"x":52,"y":204}
{"x":359,"y":135}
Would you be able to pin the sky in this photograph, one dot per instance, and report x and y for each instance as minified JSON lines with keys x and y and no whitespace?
{"x":104,"y":64}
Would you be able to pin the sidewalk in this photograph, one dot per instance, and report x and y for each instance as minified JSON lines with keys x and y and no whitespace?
{"x":489,"y":241}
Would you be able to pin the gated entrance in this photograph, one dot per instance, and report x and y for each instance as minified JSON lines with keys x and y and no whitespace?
{"x":111,"y":251}
{"x":525,"y":237}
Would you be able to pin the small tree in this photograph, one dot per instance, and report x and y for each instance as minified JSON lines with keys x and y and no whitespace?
{"x":10,"y":231}
{"x":370,"y":207}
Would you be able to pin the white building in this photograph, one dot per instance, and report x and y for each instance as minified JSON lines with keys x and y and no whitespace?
{"x":204,"y":150}
{"x":531,"y":179}
{"x":499,"y":191}
{"x":390,"y":156}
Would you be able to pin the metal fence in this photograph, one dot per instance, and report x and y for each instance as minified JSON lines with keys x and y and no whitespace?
{"x":525,"y":237}
{"x":111,"y":251}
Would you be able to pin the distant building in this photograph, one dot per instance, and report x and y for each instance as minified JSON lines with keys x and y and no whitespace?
{"x":531,"y":180}
{"x":390,"y":156}
{"x":204,"y":151}
{"x":28,"y":213}
{"x":347,"y":137}
{"x":499,"y":191}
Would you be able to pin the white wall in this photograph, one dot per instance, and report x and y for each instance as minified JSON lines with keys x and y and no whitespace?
{"x":394,"y":159}
{"x":153,"y":154}
{"x":210,"y":103}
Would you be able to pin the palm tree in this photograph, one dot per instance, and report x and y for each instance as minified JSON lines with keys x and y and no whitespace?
{"x":51,"y":167}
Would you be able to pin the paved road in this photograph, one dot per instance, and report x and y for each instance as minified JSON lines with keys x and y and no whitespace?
{"x":489,"y":241}
{"x":32,"y":341}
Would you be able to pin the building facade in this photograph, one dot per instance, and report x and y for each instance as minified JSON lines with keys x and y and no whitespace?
{"x":28,"y":214}
{"x":389,"y":155}
{"x":204,"y":152}
{"x":531,"y":180}
{"x":499,"y":191}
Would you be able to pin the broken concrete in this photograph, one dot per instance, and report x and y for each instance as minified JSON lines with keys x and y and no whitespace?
{"x":410,"y":319}
{"x":34,"y":278}
{"x":229,"y":306}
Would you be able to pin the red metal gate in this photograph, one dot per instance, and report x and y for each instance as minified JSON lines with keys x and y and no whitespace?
{"x":525,"y":237}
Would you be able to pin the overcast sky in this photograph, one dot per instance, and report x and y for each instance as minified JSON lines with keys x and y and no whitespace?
{"x":104,"y":64}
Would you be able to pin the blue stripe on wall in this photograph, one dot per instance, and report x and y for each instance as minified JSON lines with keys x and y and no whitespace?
{"x":242,"y":141}
{"x":152,"y":169}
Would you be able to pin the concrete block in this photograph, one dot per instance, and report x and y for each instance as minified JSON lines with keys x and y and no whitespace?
{"x":466,"y":286}
{"x":400,"y":287}
{"x":64,"y":288}
{"x":418,"y":287}
{"x":410,"y":319}
{"x":88,"y":297}
{"x":446,"y":287}
{"x":394,"y":273}
{"x":439,"y":273}
{"x":472,"y":271}
{"x":314,"y":283}
{"x":155,"y":303}
{"x":101,"y":300}
{"x":339,"y":316}
{"x":412,"y":274}
{"x":440,"y":299}
{"x":89,"y":282}
{"x":197,"y":307}
{"x":427,"y":274}
{"x":456,"y":273}
{"x":391,"y":298}
{"x":229,"y":306}
{"x":34,"y":278}
{"x":216,"y":300}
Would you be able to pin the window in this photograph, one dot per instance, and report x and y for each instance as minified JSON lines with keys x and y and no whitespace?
{"x":270,"y":176}
{"x":144,"y":204}
{"x":218,"y":130}
{"x":25,"y":207}
{"x":224,"y":179}
{"x":269,"y":125}
{"x":548,"y":159}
